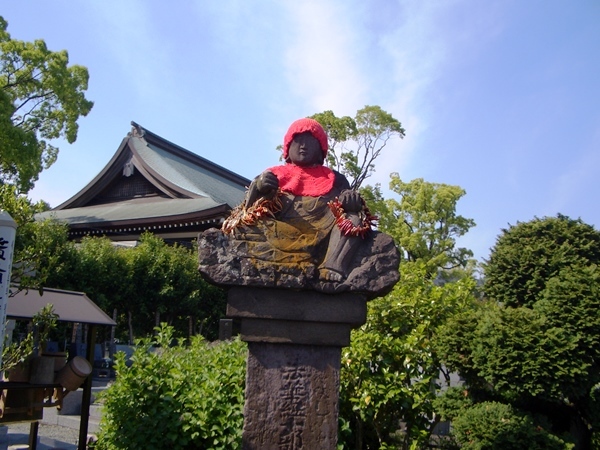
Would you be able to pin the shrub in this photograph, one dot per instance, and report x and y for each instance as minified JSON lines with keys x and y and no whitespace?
{"x":529,"y":254}
{"x":176,"y":396}
{"x":492,"y":425}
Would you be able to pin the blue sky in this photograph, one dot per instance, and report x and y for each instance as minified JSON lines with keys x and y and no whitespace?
{"x":500,"y":97}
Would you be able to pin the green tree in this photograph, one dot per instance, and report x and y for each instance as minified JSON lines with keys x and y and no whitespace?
{"x":355,"y":143}
{"x":41,"y":99}
{"x":529,"y":254}
{"x":169,"y":286}
{"x":493,"y":425}
{"x":145,"y":283}
{"x":534,"y":344}
{"x":423,"y":221}
{"x":391,"y":372}
{"x":100,"y":269}
{"x":42,"y":248}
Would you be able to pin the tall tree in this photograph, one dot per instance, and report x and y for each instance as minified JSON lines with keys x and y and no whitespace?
{"x":41,"y":98}
{"x":529,"y":254}
{"x":534,"y":345}
{"x":423,"y":221}
{"x":355,"y":143}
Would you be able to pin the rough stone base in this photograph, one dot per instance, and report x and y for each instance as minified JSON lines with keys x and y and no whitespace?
{"x":291,"y":397}
{"x":225,"y":261}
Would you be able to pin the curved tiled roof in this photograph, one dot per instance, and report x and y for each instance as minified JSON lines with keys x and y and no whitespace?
{"x":130,"y":211}
{"x":171,"y":186}
{"x":187,"y":175}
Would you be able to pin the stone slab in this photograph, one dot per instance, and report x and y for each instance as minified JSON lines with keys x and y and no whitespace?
{"x":290,"y":332}
{"x":291,"y":397}
{"x":303,"y":306}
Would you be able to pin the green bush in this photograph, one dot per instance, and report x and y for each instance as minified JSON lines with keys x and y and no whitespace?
{"x":389,"y":374}
{"x":176,"y":396}
{"x":492,"y":425}
{"x":528,"y":254}
{"x":535,"y":344}
{"x":452,"y":403}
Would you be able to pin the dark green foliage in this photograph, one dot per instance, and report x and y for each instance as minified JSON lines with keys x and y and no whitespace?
{"x":571,"y":301}
{"x":514,"y":354}
{"x":529,"y":254}
{"x":144,"y":282}
{"x":390,"y":373}
{"x":534,"y":347}
{"x":452,"y":403}
{"x":492,"y":425}
{"x":176,"y":397}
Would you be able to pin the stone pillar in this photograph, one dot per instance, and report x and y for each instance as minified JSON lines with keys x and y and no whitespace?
{"x":293,"y":371}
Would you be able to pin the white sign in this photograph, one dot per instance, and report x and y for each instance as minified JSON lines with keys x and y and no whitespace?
{"x":8,"y":231}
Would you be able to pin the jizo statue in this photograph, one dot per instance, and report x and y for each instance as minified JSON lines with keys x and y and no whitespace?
{"x":302,"y":227}
{"x":301,"y":258}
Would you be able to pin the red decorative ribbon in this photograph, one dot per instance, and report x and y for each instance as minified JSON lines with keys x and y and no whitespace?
{"x":346,"y":226}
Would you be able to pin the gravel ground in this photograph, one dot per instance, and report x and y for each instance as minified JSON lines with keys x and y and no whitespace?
{"x":49,"y":437}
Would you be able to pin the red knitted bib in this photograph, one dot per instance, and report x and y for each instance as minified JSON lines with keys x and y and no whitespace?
{"x":310,"y":181}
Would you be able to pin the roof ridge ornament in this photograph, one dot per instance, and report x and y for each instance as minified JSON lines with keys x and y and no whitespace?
{"x":137,"y":130}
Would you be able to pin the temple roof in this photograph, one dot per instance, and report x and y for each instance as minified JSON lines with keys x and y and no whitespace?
{"x":152,"y":184}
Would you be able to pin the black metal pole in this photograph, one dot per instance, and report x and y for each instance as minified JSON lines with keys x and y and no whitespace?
{"x":87,"y":390}
{"x":33,"y":435}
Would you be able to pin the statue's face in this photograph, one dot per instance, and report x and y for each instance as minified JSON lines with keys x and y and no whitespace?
{"x":305,"y":150}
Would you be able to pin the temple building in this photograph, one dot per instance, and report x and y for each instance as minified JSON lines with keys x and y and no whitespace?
{"x":151,"y":184}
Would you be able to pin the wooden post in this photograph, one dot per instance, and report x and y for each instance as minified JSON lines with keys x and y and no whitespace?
{"x":87,"y":390}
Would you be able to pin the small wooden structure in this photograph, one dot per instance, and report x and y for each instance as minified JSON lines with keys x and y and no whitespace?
{"x":70,"y":306}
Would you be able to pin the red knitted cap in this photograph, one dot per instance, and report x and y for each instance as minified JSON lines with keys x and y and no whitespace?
{"x":300,"y":126}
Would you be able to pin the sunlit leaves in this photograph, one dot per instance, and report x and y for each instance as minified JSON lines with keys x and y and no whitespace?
{"x":176,"y":396}
{"x":41,"y":99}
{"x":423,"y":221}
{"x":355,"y":143}
{"x":390,"y":373}
{"x":41,"y":247}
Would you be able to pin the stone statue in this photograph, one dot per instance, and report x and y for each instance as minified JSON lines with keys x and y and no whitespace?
{"x":301,"y":227}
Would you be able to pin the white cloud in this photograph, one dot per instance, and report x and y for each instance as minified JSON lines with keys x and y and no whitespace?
{"x":414,"y":53}
{"x":323,"y":58}
{"x":130,"y":38}
{"x":428,"y":39}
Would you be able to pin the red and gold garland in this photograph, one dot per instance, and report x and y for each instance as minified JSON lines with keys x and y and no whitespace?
{"x":268,"y":207}
{"x":346,"y":226}
{"x":249,"y":216}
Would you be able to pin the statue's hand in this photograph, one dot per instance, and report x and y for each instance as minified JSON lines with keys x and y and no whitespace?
{"x":351,"y":201}
{"x":267,"y":183}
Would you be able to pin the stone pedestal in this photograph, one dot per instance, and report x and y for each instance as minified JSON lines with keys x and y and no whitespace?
{"x":293,"y":371}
